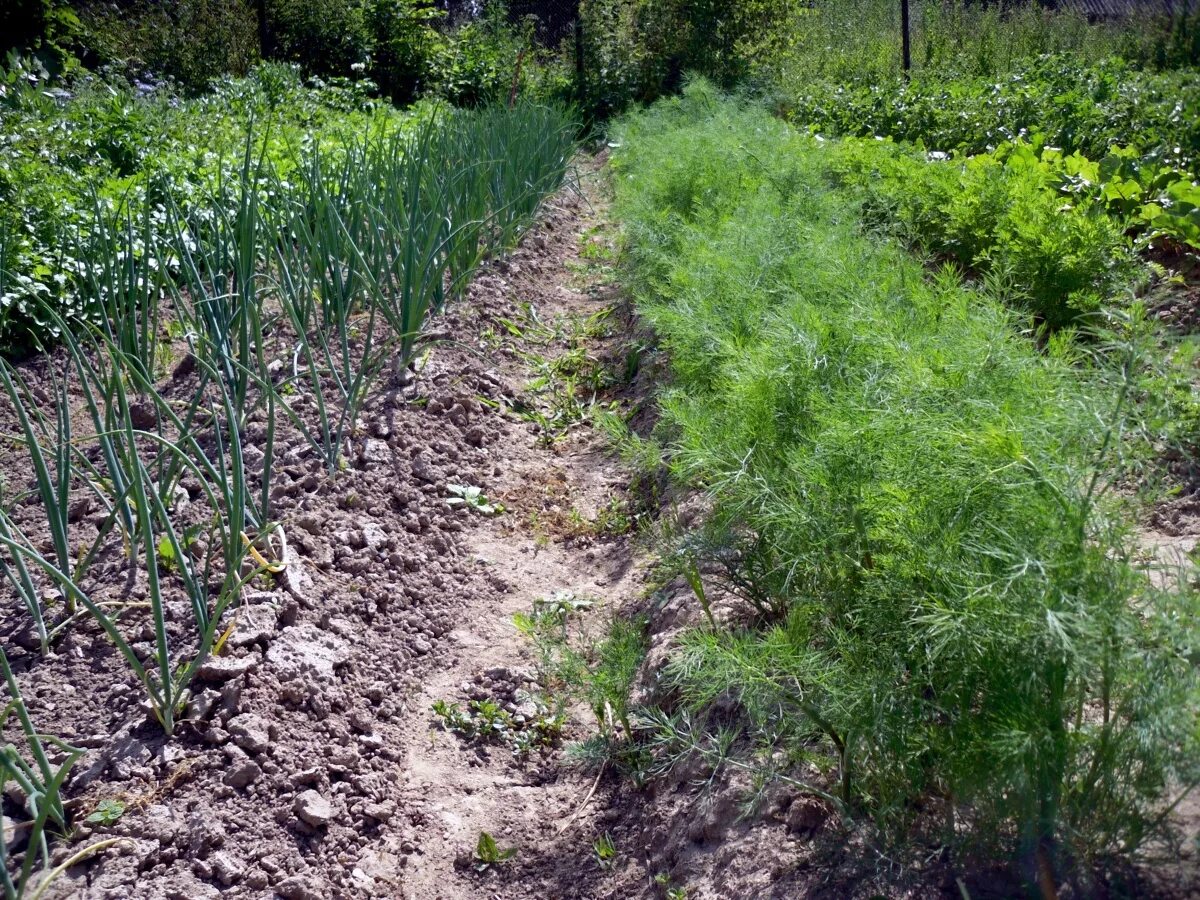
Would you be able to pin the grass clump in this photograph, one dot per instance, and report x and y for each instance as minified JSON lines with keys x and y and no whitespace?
{"x":952,"y":617}
{"x":599,"y":670}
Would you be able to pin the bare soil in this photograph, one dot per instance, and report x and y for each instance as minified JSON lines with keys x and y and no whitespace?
{"x":313,"y":765}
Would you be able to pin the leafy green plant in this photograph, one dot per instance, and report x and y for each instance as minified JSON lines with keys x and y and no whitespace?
{"x":999,"y":214}
{"x":472,"y":498}
{"x":488,"y":853}
{"x":605,"y":850}
{"x":487,"y":721}
{"x":1075,"y":101}
{"x":575,"y":665}
{"x":107,"y":812}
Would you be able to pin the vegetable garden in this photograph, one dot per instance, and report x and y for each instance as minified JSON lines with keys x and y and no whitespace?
{"x":860,"y":396}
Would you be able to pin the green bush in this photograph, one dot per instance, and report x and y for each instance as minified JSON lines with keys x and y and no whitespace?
{"x":1001,"y":215}
{"x":196,"y":41}
{"x":47,"y":29}
{"x":859,"y":41}
{"x":406,"y":46}
{"x":478,"y":63}
{"x":637,"y":50}
{"x":326,"y":37}
{"x":193,"y":42}
{"x":957,"y":632}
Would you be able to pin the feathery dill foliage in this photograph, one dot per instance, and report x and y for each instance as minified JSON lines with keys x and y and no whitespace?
{"x":913,"y":498}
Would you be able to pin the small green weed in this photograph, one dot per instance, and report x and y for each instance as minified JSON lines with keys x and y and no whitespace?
{"x":600,"y":672}
{"x":662,"y":880}
{"x":472,"y":498}
{"x":107,"y":812}
{"x":605,"y":850}
{"x":487,"y":721}
{"x":488,"y":852}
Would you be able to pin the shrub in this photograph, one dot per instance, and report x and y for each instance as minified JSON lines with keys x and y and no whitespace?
{"x":958,"y":630}
{"x":405,"y":44}
{"x":326,"y":37}
{"x":190,"y":41}
{"x":479,"y":61}
{"x":48,"y":29}
{"x":637,"y":50}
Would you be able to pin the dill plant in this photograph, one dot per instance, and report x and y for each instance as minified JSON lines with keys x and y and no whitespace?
{"x":951,"y":611}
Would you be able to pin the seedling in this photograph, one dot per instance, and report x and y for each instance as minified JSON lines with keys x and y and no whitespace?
{"x":472,"y":497}
{"x":488,"y":853}
{"x":487,"y":721}
{"x":606,"y":851}
{"x":36,"y":779}
{"x":107,"y":812}
{"x":562,"y":604}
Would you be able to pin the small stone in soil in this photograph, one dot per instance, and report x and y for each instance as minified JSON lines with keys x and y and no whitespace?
{"x":13,"y":838}
{"x":306,"y":648}
{"x":312,"y":809}
{"x":223,"y":668}
{"x":257,"y":623}
{"x":227,"y":868}
{"x":250,"y":732}
{"x":296,"y":888}
{"x":242,"y":775}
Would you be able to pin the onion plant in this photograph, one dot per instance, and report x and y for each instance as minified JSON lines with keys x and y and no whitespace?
{"x":358,"y":246}
{"x":338,"y":350}
{"x":56,"y":462}
{"x":38,"y":781}
{"x":411,"y":212}
{"x":127,"y":475}
{"x":530,"y":147}
{"x":220,"y":260}
{"x":121,"y":272}
{"x":18,"y":575}
{"x":52,"y":470}
{"x":374,"y":235}
{"x":466,"y":237}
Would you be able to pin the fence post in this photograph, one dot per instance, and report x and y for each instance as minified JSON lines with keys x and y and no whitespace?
{"x":905,"y":37}
{"x":579,"y":66}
